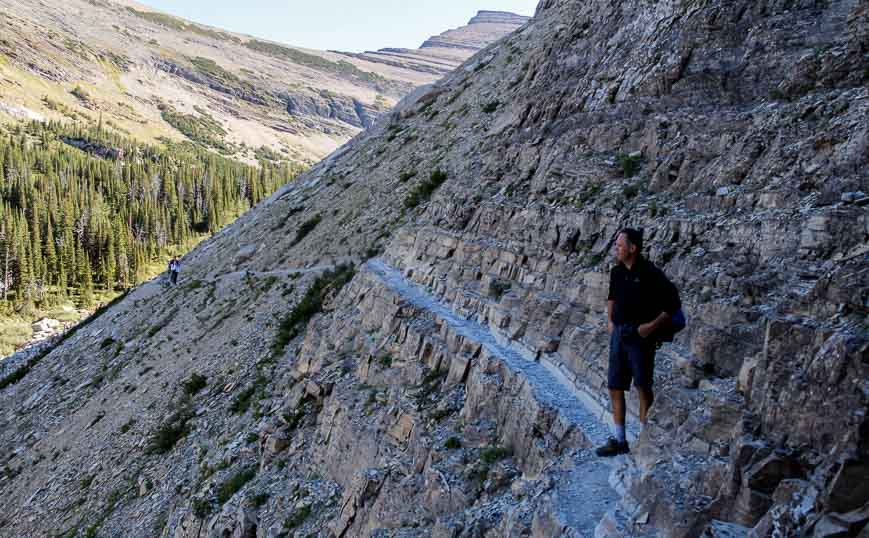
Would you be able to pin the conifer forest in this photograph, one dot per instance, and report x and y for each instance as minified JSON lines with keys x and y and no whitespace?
{"x":84,"y":209}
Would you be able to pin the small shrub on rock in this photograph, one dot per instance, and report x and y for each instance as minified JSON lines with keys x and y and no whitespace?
{"x":234,"y":484}
{"x":630,"y":164}
{"x":490,"y":107}
{"x":193,"y":385}
{"x":306,"y":228}
{"x":242,"y":401}
{"x":424,"y":190}
{"x":201,"y":508}
{"x":629,"y":191}
{"x":297,"y":518}
{"x":499,"y":288}
{"x":310,"y":305}
{"x":492,"y":454}
{"x":173,"y":430}
{"x":260,"y":499}
{"x":452,"y":443}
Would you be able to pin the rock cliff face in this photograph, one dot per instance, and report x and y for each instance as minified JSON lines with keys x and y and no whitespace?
{"x":453,"y":384}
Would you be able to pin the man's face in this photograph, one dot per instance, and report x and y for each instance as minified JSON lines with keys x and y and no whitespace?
{"x":623,"y":249}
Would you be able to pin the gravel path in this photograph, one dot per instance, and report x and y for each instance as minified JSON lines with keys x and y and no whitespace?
{"x":584,"y":494}
{"x":279,"y":272}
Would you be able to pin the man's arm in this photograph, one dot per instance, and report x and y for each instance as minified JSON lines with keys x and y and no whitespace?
{"x":646,"y":329}
{"x":611,"y":301}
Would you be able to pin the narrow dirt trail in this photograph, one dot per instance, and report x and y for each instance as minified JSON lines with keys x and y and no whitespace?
{"x":584,"y":495}
{"x":279,"y":272}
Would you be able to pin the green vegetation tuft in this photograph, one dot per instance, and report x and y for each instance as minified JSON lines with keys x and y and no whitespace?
{"x":452,"y":444}
{"x":201,"y":508}
{"x":492,"y":454}
{"x":234,"y":484}
{"x":259,"y":499}
{"x":80,"y":93}
{"x":127,"y":425}
{"x":588,"y":194}
{"x":298,"y":517}
{"x":499,"y":288}
{"x":265,"y":153}
{"x":202,"y":129}
{"x":430,"y":383}
{"x":209,"y":67}
{"x":174,"y":23}
{"x":170,"y":432}
{"x":306,"y":228}
{"x":193,"y":385}
{"x":310,"y":305}
{"x":629,"y":191}
{"x":424,"y":190}
{"x":492,"y":106}
{"x":13,"y":333}
{"x":241,"y":403}
{"x":630,"y":165}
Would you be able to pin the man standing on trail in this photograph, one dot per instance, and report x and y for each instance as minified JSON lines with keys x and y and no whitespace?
{"x":641,"y":301}
{"x":174,"y":268}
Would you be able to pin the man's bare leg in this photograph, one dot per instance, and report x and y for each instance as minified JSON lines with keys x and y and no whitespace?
{"x":618,"y":444}
{"x":619,"y":408}
{"x":618,"y":400}
{"x":647,"y":398}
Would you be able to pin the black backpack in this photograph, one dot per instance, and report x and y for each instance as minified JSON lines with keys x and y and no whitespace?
{"x":678,"y":321}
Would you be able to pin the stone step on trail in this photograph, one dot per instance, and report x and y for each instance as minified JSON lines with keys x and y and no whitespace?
{"x":584,"y":494}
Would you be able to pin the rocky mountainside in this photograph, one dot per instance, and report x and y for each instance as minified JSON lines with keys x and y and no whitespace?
{"x":152,"y":75}
{"x":410,"y":341}
{"x":441,"y":54}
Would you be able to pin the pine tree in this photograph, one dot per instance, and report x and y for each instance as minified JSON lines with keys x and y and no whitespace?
{"x":87,"y":285}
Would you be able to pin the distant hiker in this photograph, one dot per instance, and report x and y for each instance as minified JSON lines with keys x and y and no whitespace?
{"x":174,"y":268}
{"x":640,"y":305}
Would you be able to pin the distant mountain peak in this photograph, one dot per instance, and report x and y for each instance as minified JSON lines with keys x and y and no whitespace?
{"x":497,"y":17}
{"x":440,"y":54}
{"x":478,"y":32}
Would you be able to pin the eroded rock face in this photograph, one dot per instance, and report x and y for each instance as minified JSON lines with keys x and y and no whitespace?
{"x":454,"y":386}
{"x":442,"y":53}
{"x":476,"y":34}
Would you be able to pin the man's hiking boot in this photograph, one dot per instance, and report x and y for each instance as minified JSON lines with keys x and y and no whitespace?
{"x":612,"y":448}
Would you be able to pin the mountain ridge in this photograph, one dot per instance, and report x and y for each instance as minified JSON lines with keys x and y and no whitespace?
{"x":128,"y":59}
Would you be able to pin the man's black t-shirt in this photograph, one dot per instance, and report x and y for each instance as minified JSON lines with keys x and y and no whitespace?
{"x":641,"y":293}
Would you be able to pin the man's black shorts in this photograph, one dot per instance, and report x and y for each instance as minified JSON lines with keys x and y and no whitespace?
{"x":631,"y":357}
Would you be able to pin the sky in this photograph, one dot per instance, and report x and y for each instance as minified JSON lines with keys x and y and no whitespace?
{"x":346,"y":25}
